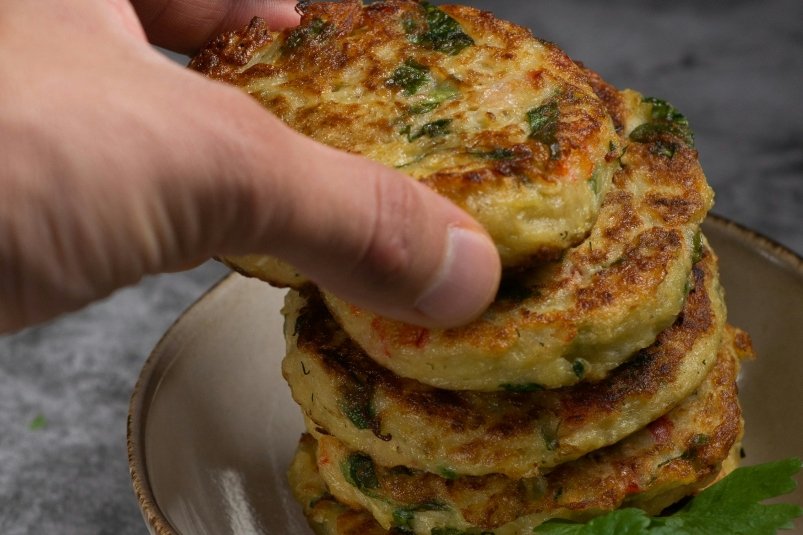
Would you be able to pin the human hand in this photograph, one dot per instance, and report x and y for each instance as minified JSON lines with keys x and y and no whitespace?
{"x":117,"y":163}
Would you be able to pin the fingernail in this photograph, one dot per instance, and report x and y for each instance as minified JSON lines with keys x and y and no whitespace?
{"x":466,"y":282}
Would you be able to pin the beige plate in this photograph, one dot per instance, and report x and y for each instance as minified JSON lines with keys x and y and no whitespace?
{"x":212,"y":427}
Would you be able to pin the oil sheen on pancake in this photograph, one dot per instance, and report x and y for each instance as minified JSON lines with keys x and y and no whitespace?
{"x":673,"y":456}
{"x":400,"y":421}
{"x":606,"y":298}
{"x":502,"y":123}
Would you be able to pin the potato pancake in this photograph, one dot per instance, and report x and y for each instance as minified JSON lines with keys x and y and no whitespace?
{"x":519,"y":432}
{"x":673,"y":456}
{"x":606,"y":298}
{"x":502,"y":123}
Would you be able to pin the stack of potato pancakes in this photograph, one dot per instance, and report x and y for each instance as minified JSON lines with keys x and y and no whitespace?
{"x":602,"y":376}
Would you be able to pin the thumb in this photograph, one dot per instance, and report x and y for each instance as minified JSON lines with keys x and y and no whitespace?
{"x":140,"y":166}
{"x":381,"y":240}
{"x":365,"y":232}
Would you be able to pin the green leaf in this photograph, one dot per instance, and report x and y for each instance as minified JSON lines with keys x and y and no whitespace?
{"x":410,"y":77}
{"x":731,"y":506}
{"x":39,"y":422}
{"x":443,"y":33}
{"x":621,"y":522}
{"x":455,"y":531}
{"x":543,"y":122}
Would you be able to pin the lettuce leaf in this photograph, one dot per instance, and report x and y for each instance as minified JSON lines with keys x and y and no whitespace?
{"x":733,"y":506}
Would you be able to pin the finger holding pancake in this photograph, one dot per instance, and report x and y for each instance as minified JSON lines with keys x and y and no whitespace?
{"x":500,"y":122}
{"x":578,"y":318}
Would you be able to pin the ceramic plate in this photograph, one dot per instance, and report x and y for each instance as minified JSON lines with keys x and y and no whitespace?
{"x":212,"y":426}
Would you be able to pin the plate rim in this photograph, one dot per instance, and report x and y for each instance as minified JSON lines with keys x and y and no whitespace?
{"x":136,"y":423}
{"x":142,"y":393}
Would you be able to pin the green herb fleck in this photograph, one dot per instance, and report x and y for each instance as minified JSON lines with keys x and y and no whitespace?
{"x":410,"y":77}
{"x":359,"y":470}
{"x":664,"y":119}
{"x":403,"y":516}
{"x":447,"y":473}
{"x":697,"y":248}
{"x":697,"y":441}
{"x":410,"y":25}
{"x":522,"y":388}
{"x":543,"y":122}
{"x":440,"y":94}
{"x":664,"y":111}
{"x":550,"y":439}
{"x":425,"y":106}
{"x":733,"y":506}
{"x":662,"y":148}
{"x":595,"y":182}
{"x":359,"y":411}
{"x":302,"y":34}
{"x":496,"y":154}
{"x":434,"y":129}
{"x":579,"y":368}
{"x":443,"y":33}
{"x":39,"y":422}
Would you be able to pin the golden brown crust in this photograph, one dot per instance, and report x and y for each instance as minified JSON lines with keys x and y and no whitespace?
{"x":222,"y":58}
{"x":453,"y":113}
{"x":406,"y":422}
{"x":609,"y":95}
{"x":675,"y":455}
{"x":605,"y":299}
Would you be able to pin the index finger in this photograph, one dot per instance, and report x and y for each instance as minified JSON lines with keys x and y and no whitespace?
{"x":186,"y":25}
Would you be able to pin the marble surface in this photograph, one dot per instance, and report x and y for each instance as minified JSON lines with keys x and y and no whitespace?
{"x":735,"y":71}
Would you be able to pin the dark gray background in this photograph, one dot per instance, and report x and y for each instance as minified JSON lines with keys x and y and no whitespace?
{"x":734,"y":68}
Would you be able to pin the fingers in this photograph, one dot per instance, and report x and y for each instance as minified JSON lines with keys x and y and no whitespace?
{"x":151,"y":168}
{"x":383,"y":241}
{"x":365,"y":232}
{"x":186,"y":25}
